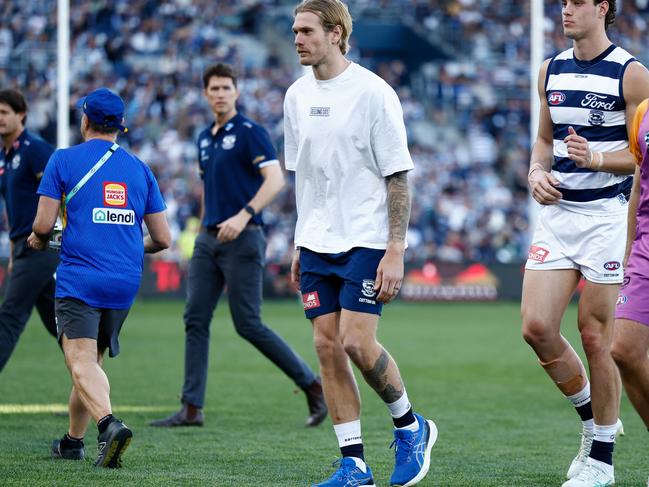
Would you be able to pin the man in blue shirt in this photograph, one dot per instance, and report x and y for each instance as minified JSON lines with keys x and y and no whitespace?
{"x":241,"y":176}
{"x":105,"y":194}
{"x":31,"y":273}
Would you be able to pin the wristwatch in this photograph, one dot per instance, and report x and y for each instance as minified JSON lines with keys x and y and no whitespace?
{"x":250,"y":210}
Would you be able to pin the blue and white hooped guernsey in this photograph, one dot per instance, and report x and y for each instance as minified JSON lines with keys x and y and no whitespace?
{"x":587,"y":95}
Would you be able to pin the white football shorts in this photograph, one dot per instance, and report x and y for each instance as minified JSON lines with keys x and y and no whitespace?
{"x":592,"y":244}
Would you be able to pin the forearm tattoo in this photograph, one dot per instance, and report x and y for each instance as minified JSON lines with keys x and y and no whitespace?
{"x":377,"y":378}
{"x":398,"y":205}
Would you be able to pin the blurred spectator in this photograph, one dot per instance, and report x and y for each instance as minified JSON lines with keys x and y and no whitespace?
{"x":467,"y":119}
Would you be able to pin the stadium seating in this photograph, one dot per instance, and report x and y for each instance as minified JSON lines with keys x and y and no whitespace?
{"x":467,"y":115}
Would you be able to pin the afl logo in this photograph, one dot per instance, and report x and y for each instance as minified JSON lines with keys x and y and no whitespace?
{"x":621,"y":299}
{"x":612,"y":265}
{"x":556,"y":98}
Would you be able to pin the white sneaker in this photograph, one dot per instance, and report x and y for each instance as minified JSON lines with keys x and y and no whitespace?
{"x":579,"y":462}
{"x":594,"y":474}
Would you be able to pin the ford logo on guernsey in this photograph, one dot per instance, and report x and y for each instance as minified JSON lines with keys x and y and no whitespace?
{"x":556,"y":98}
{"x":612,"y":265}
{"x":113,"y":216}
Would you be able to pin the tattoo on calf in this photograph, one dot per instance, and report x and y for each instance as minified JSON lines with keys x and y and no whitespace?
{"x":377,"y":378}
{"x":398,"y":205}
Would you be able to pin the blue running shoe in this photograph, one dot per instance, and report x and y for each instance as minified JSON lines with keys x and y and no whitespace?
{"x":412,"y":453}
{"x":348,"y":475}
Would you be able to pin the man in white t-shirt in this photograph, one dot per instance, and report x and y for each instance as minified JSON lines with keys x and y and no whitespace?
{"x":346,"y":141}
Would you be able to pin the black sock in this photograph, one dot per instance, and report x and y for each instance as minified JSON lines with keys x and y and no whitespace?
{"x":585,"y":412}
{"x":602,"y":451}
{"x":70,"y":442}
{"x":405,"y":420}
{"x":103,"y":423}
{"x":355,"y":451}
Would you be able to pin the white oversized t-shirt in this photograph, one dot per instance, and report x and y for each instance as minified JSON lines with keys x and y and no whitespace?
{"x":343,"y":137}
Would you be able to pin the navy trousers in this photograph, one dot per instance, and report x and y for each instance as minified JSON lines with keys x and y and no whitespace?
{"x":31,"y":284}
{"x":239,"y":265}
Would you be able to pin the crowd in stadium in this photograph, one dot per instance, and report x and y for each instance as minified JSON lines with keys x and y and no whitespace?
{"x":468,"y":116}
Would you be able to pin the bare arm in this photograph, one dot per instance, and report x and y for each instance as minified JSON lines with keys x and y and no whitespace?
{"x":398,"y":209}
{"x":389,"y":274}
{"x":542,"y":183}
{"x":159,"y":237}
{"x":632,"y":217}
{"x":636,"y":88}
{"x":269,"y":189}
{"x":48,"y":210}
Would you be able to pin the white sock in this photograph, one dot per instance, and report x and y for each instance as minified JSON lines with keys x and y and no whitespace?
{"x":360,"y":464}
{"x":399,"y":407}
{"x":605,"y":434}
{"x":582,"y":397}
{"x":348,"y":433}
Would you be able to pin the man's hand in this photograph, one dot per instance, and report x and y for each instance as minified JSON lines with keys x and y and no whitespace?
{"x":389,"y":274}
{"x":231,"y":228}
{"x":542,"y":185}
{"x":295,"y":267}
{"x":10,"y":265}
{"x":35,"y":242}
{"x":579,"y":152}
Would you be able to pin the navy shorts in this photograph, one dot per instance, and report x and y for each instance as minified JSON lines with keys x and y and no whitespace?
{"x":75,"y":319}
{"x":331,"y":282}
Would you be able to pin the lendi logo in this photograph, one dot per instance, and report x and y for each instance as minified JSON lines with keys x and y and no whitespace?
{"x":113,"y":216}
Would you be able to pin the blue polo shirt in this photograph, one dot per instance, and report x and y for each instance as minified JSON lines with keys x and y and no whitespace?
{"x":20,"y":171}
{"x":229,"y":164}
{"x":102,"y":251}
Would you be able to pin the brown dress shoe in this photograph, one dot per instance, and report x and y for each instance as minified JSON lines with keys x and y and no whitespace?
{"x":316,"y":402}
{"x":187,"y":416}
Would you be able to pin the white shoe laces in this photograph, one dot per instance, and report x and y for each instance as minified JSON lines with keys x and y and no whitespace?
{"x":587,"y":437}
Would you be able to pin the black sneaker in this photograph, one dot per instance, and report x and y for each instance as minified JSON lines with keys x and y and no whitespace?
{"x":316,"y":402}
{"x":63,"y":452}
{"x":112,"y":444}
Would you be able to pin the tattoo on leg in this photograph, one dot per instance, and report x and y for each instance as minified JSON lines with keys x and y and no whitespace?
{"x":377,"y":378}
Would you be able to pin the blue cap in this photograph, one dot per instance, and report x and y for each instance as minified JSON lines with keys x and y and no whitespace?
{"x":104,"y":107}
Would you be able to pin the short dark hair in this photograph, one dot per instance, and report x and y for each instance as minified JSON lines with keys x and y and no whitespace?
{"x":101,"y":128}
{"x":15,"y":100}
{"x":610,"y":15}
{"x":220,"y":70}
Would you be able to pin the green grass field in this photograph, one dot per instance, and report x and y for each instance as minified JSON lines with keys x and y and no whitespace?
{"x":501,"y":422}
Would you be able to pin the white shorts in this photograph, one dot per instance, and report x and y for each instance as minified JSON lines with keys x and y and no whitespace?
{"x":592,"y":244}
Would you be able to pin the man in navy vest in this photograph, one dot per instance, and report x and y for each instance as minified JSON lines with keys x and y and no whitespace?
{"x":31,"y":273}
{"x":241,"y":176}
